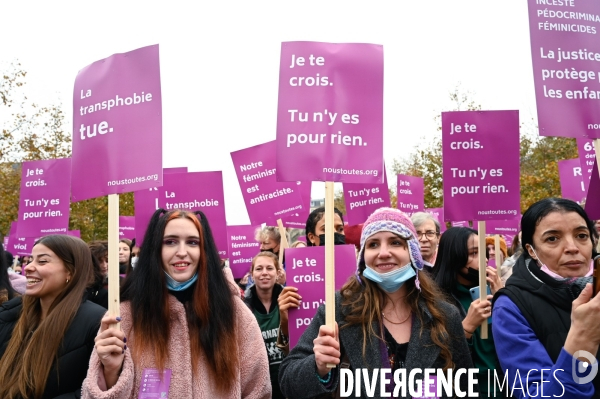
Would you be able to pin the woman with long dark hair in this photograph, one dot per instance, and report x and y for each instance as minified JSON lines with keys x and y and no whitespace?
{"x":180,"y":317}
{"x":47,"y":335}
{"x":6,"y":289}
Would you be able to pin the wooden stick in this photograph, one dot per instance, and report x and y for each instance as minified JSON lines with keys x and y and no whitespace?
{"x":497,"y":259}
{"x":113,"y":256}
{"x":329,"y":260}
{"x":482,"y":274}
{"x":283,"y":244}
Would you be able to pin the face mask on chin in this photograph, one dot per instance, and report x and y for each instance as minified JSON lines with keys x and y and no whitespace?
{"x":392,"y":281}
{"x":338,"y":239}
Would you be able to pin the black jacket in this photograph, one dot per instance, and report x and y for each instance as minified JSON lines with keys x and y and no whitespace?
{"x":74,"y":353}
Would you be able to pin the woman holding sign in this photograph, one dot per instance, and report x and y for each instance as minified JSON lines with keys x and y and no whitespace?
{"x":546,"y":317}
{"x":183,"y":326}
{"x":390,"y":317}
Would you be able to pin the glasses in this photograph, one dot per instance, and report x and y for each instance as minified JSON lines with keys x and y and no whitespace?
{"x":428,"y":234}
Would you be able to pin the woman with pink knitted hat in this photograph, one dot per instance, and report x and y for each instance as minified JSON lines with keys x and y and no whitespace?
{"x":390,"y":316}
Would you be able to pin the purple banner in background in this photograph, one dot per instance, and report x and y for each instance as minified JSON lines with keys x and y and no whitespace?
{"x":20,"y":246}
{"x":572,"y":185}
{"x":506,"y":228}
{"x":44,"y":204}
{"x":330,"y":112}
{"x":198,"y":191}
{"x":438,"y":214}
{"x":267,"y":199}
{"x":461,"y":223}
{"x":127,"y":227}
{"x":592,"y":205}
{"x":363,"y":199}
{"x":480,"y":151}
{"x":74,"y":233}
{"x":117,"y":123}
{"x":242,"y":248}
{"x":585,"y":148}
{"x":305,"y":268}
{"x":565,"y":50}
{"x":410,"y":194}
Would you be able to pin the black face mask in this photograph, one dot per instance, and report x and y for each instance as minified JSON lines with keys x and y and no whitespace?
{"x":472,"y":276}
{"x":338,"y":239}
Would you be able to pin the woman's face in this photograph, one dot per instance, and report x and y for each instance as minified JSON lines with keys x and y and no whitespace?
{"x":264,"y":273}
{"x":46,"y":274}
{"x":123,"y":252}
{"x":181,"y":249}
{"x":473,"y":248}
{"x":269,"y":244}
{"x":562,"y":241}
{"x":385,"y":252}
{"x":104,"y":265}
{"x":338,"y":226}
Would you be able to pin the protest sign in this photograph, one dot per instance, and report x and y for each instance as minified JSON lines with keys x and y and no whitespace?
{"x":585,"y":148}
{"x":592,"y":205}
{"x":21,"y":246}
{"x":74,"y":233}
{"x":438,"y":214}
{"x":266,"y":199}
{"x":565,"y":50}
{"x":198,"y":191}
{"x":363,"y":199}
{"x":305,"y":268}
{"x":117,"y":123}
{"x":330,"y":112}
{"x":243,"y":246}
{"x":44,"y":204}
{"x":127,"y":227}
{"x":506,"y":228}
{"x":572,"y":185}
{"x":480,"y":151}
{"x":410,"y":194}
{"x":460,"y":223}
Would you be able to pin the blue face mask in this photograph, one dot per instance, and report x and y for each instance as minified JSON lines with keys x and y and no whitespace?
{"x":173,"y":285}
{"x":390,"y":282}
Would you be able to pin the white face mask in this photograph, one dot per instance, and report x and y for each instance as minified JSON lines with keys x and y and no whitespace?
{"x":390,"y":282}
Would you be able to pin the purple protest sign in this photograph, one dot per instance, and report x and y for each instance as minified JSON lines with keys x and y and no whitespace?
{"x":460,"y":223}
{"x":146,"y":203}
{"x":74,"y":233}
{"x":330,"y":112}
{"x":117,"y":106}
{"x":410,"y":193}
{"x":480,"y":151}
{"x":565,"y":51}
{"x":127,"y":227}
{"x":5,"y":241}
{"x":587,"y":155}
{"x":20,"y":245}
{"x":242,"y":248}
{"x":198,"y":191}
{"x":592,"y":205}
{"x":438,"y":214}
{"x":267,"y":199}
{"x":44,"y":204}
{"x":572,"y":185}
{"x":363,"y":199}
{"x":305,"y":268}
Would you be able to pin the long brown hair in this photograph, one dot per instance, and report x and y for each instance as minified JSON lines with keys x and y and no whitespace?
{"x":365,"y":301}
{"x":33,"y":347}
{"x":210,"y":313}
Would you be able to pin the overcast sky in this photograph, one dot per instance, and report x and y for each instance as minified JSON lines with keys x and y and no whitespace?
{"x":220,"y":63}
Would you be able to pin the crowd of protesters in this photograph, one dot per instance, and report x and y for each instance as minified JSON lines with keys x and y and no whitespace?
{"x":412,"y":304}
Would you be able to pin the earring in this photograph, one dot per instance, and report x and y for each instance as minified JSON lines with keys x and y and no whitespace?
{"x":67,"y":281}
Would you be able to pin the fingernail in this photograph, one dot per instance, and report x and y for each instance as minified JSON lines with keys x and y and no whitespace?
{"x":125,"y":348}
{"x":118,"y":318}
{"x":124,"y":339}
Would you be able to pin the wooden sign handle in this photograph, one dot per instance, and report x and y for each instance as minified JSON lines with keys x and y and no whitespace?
{"x":329,"y":259}
{"x":113,"y":257}
{"x":283,"y":244}
{"x":482,"y":273}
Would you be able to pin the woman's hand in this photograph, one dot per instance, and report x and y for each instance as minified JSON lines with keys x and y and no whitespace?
{"x":110,"y":346}
{"x":289,"y":298}
{"x":327,"y":349}
{"x":478,"y":311}
{"x":584,"y":333}
{"x":493,"y":279}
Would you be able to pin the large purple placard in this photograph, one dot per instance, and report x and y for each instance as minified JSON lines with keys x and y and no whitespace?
{"x":480,"y":151}
{"x":242,"y":248}
{"x":330,"y":112}
{"x":117,"y":123}
{"x":267,"y":199}
{"x":572,"y":185}
{"x":305,"y":268}
{"x":410,"y":194}
{"x":438,"y":214}
{"x":566,"y":50}
{"x":363,"y":199}
{"x":198,"y":191}
{"x":592,"y":205}
{"x":44,"y":204}
{"x":21,"y":246}
{"x":127,"y":227}
{"x":585,"y":148}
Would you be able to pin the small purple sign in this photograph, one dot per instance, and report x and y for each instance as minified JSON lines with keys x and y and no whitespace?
{"x":146,"y":203}
{"x":242,"y":248}
{"x":363,"y":199}
{"x":480,"y":151}
{"x":572,"y":185}
{"x":592,"y":205}
{"x":330,"y":112}
{"x":306,"y":271}
{"x":127,"y":227}
{"x":267,"y":199}
{"x":410,"y":194}
{"x":438,"y":214}
{"x":154,"y":385}
{"x":117,"y":106}
{"x":44,"y":204}
{"x":587,"y":155}
{"x":21,"y":246}
{"x":565,"y":50}
{"x":198,"y":191}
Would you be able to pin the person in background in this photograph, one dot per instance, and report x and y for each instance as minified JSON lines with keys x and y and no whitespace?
{"x":99,"y":250}
{"x":546,"y":317}
{"x":315,"y":228}
{"x":6,"y":289}
{"x":125,"y":246}
{"x":47,"y":335}
{"x":17,"y":280}
{"x":507,"y":266}
{"x":428,"y":234}
{"x":491,"y":247}
{"x":97,"y":292}
{"x":270,"y":239}
{"x":179,"y":313}
{"x":352,"y":234}
{"x":298,"y":244}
